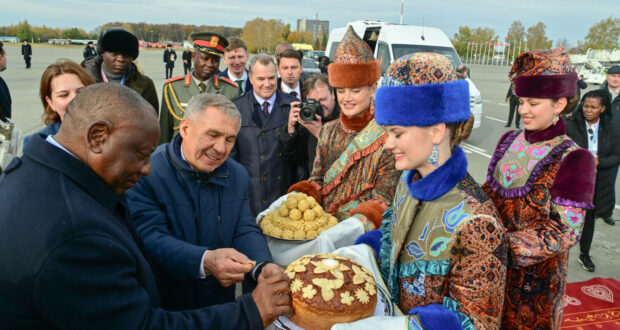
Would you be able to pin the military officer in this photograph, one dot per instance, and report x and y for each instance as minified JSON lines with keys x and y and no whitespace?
{"x":208,"y":50}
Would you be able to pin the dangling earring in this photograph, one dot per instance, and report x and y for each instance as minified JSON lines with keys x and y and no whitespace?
{"x":556,"y":119}
{"x":433,"y":158}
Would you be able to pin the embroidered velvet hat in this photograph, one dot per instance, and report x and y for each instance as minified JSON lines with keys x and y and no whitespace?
{"x":546,"y":74}
{"x":421,"y":89}
{"x":118,"y":40}
{"x":353,"y":65}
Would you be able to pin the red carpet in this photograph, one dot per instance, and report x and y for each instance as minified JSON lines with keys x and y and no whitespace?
{"x":593,"y":304}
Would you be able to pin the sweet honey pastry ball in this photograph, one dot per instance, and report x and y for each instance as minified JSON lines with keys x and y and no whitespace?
{"x":295,"y":214}
{"x":283,"y":211}
{"x":303,"y":205}
{"x":287,"y":234}
{"x":309,"y":215}
{"x":332,"y":221}
{"x":291,"y":203}
{"x":311,"y":201}
{"x":276,"y":232}
{"x":318,"y":210}
{"x":312,"y":234}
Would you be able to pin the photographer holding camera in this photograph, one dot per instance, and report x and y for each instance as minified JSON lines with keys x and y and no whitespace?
{"x":305,"y":121}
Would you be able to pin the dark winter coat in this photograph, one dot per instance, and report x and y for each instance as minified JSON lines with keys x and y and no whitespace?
{"x":26,"y":50}
{"x":5,"y":99}
{"x":73,"y":260}
{"x":300,"y":147}
{"x":89,"y":52}
{"x":135,"y":80}
{"x":169,"y":58}
{"x":608,"y":156}
{"x":615,"y":106}
{"x":180,"y":213}
{"x":257,"y":148}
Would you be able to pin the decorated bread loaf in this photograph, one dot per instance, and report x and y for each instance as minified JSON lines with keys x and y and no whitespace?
{"x":327,"y":289}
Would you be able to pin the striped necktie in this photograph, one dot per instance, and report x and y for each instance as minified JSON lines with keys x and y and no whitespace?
{"x":266,"y":108}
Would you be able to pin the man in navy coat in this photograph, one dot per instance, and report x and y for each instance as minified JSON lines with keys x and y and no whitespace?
{"x":192,"y":211}
{"x":71,"y":257}
{"x":264,"y":110}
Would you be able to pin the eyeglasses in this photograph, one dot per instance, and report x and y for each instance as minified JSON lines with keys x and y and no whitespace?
{"x":591,"y":133}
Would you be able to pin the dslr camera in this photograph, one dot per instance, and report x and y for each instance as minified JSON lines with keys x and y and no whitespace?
{"x":309,"y":109}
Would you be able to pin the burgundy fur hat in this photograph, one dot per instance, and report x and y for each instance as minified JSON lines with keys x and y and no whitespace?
{"x":353,"y":65}
{"x":546,"y":74}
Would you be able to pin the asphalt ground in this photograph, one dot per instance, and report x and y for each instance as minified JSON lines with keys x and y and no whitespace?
{"x":492,"y":82}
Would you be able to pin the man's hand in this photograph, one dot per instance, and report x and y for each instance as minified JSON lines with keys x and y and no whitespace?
{"x":507,"y":100}
{"x":272,"y":296}
{"x":314,"y":126}
{"x":293,"y":117}
{"x":227,"y":265}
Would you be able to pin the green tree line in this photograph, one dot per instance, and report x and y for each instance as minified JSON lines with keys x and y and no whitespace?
{"x":602,"y":35}
{"x":261,"y":35}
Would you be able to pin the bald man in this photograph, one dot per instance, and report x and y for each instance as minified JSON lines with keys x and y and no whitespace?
{"x":73,"y":259}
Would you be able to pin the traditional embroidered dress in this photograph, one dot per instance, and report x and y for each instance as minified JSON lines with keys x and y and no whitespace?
{"x":444,"y":243}
{"x":352,"y":167}
{"x":533,"y":179}
{"x":353,"y":175}
{"x":541,"y":183}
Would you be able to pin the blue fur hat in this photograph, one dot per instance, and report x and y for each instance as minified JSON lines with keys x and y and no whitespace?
{"x":421,"y":89}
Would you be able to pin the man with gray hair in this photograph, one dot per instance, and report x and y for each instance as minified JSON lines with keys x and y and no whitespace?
{"x":74,"y":259}
{"x":263,"y":111}
{"x":193,"y":215}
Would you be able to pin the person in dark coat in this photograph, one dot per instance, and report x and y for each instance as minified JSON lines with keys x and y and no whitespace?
{"x":290,"y":70}
{"x":263,"y":112}
{"x":27,"y":53}
{"x":591,"y":128}
{"x":187,"y":60}
{"x":299,"y":138}
{"x":116,"y":49}
{"x":192,"y":178}
{"x":514,"y":107}
{"x":89,"y":50}
{"x":74,"y":259}
{"x":169,"y":57}
{"x":5,"y":95}
{"x":612,"y":87}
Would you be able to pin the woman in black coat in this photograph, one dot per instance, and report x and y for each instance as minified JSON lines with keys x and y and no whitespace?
{"x":591,"y":128}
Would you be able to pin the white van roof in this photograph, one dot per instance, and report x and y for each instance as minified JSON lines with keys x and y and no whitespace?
{"x":405,"y":34}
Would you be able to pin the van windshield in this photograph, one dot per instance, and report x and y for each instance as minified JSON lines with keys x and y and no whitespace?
{"x":402,"y":50}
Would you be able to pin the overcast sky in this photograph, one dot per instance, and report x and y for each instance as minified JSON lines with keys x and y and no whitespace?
{"x":568,"y":19}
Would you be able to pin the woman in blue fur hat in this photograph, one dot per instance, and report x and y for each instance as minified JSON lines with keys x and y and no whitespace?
{"x":442,"y":252}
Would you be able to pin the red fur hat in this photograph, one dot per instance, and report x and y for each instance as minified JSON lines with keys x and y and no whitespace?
{"x":353,"y":65}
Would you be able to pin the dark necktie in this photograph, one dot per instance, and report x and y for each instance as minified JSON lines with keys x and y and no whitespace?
{"x":203,"y":87}
{"x":240,"y":83}
{"x":266,"y":108}
{"x":294,"y":93}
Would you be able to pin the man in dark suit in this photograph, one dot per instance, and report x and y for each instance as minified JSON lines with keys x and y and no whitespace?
{"x":74,"y":259}
{"x":187,"y":60}
{"x":27,"y":53}
{"x":290,"y":70}
{"x":5,"y":95}
{"x":264,"y":111}
{"x":169,"y":57}
{"x":236,"y":56}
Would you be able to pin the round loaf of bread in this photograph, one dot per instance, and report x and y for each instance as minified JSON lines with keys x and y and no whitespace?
{"x":327,"y":289}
